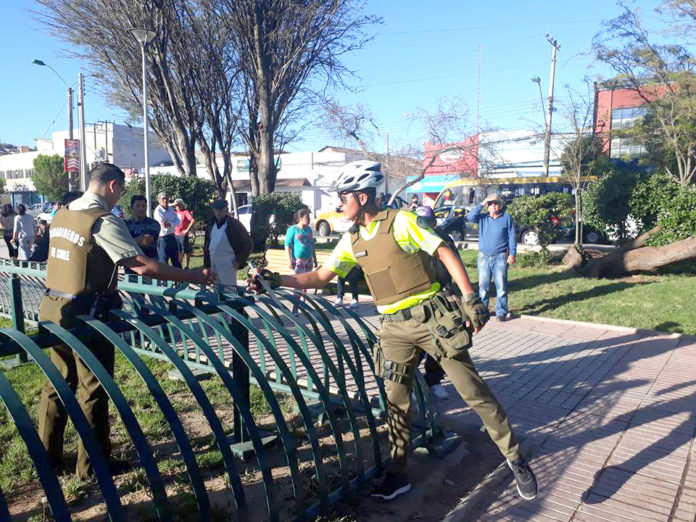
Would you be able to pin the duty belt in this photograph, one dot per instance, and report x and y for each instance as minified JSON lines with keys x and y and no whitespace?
{"x":439,"y":300}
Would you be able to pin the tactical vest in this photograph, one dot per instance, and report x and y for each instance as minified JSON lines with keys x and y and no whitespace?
{"x":76,"y":266}
{"x":391,"y":273}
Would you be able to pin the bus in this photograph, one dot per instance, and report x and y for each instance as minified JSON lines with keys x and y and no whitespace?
{"x":468,"y":192}
{"x":457,"y":198}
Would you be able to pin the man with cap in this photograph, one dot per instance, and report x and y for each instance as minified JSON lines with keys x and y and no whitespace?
{"x":227,"y":244}
{"x":87,"y":244}
{"x":167,"y":246}
{"x":186,"y":222}
{"x":394,"y":252}
{"x":497,"y":250}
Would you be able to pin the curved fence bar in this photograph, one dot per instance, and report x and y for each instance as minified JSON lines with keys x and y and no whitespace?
{"x":319,"y":357}
{"x":89,"y":440}
{"x":147,"y":459}
{"x":284,"y":432}
{"x":340,"y":349}
{"x":307,"y":418}
{"x":237,"y":396}
{"x":335,"y":373}
{"x":42,"y":462}
{"x":203,"y":401}
{"x":167,"y":409}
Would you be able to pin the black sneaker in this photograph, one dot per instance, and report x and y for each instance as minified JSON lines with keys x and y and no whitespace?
{"x":524,"y":476}
{"x":392,"y":486}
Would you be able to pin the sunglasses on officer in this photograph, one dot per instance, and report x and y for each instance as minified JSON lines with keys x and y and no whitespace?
{"x":343,"y":196}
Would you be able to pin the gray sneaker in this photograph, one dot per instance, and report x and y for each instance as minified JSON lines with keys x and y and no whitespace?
{"x":524,"y":476}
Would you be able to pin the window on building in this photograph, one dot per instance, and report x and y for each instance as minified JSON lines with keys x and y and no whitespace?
{"x":623,"y":119}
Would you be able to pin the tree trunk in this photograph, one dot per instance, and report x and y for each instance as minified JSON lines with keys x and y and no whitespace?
{"x":644,"y":258}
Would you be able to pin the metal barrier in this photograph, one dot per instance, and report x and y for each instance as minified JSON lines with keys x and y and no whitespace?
{"x":319,"y":356}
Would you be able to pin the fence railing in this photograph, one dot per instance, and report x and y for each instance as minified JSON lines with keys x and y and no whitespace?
{"x":319,"y":356}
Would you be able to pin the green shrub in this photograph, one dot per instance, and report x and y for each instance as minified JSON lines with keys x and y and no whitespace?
{"x":534,"y":259}
{"x":607,"y":201}
{"x":650,"y":196}
{"x":537,"y":211}
{"x":283,"y":206}
{"x":676,"y":217}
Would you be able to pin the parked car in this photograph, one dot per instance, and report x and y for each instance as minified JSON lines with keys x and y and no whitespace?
{"x":40,"y":208}
{"x":244,"y":216}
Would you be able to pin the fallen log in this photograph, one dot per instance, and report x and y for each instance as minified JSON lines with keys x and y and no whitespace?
{"x":642,"y":259}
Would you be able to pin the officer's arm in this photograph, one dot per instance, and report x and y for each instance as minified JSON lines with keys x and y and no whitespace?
{"x":146,"y":266}
{"x":455,"y":267}
{"x":317,"y":279}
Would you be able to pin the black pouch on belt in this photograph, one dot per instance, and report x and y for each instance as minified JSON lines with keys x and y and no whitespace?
{"x":104,"y":302}
{"x":449,"y":328}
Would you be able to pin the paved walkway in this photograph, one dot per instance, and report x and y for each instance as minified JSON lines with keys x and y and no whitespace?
{"x":609,"y":412}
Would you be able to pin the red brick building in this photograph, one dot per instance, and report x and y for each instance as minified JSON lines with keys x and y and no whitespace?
{"x":620,"y":109}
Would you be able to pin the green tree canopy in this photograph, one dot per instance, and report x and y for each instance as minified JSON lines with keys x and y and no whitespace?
{"x":49,"y":178}
{"x":197,"y":193}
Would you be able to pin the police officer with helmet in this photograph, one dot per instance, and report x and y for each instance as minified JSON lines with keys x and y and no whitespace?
{"x":87,"y":244}
{"x":394,"y":251}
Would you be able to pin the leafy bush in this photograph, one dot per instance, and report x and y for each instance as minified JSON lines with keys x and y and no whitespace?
{"x":283,"y":206}
{"x":677,"y":216}
{"x":650,"y":196}
{"x":534,"y":259}
{"x":537,"y":211}
{"x":197,"y":193}
{"x":607,"y":201}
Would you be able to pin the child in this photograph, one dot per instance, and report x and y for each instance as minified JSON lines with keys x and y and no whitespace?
{"x":299,"y":244}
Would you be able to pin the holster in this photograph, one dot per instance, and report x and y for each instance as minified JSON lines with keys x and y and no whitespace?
{"x":103,"y":303}
{"x":448,"y":327}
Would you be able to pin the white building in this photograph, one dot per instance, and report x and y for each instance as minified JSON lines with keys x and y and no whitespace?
{"x":104,"y":141}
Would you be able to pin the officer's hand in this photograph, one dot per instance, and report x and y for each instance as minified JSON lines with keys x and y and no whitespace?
{"x":204,"y":276}
{"x":255,"y":276}
{"x":475,"y":310}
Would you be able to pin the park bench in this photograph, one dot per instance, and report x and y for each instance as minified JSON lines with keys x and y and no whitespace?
{"x":278,"y":260}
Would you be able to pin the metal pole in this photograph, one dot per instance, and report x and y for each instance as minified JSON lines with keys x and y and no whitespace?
{"x":81,"y":122}
{"x":71,"y":176}
{"x":547,"y":140}
{"x":145,"y":133}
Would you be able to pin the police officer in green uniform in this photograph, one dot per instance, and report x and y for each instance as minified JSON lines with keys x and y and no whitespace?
{"x":87,"y":243}
{"x":393,"y":250}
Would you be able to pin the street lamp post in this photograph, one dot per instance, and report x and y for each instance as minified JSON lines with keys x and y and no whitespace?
{"x":144,"y":37}
{"x":537,"y":80}
{"x":70,"y":106}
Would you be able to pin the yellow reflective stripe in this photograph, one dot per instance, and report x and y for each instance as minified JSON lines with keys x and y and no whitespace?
{"x":341,"y":259}
{"x":410,"y":301}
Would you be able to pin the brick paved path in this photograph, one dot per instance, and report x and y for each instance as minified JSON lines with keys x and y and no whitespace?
{"x":610,"y":414}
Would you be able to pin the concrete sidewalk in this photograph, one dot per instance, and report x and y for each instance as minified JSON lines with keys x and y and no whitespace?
{"x":609,"y":413}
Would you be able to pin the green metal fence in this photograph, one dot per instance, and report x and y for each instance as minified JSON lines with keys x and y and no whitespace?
{"x":320,"y":357}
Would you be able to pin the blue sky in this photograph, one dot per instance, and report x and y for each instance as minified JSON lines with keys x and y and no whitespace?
{"x":423,"y":52}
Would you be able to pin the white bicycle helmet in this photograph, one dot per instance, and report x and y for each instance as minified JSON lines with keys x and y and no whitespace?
{"x":358,"y":175}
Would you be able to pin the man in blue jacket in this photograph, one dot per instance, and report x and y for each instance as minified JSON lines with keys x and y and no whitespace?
{"x":497,"y":250}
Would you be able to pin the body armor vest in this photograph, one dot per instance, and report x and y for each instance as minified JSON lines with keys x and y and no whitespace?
{"x":391,"y":273}
{"x":75,"y":264}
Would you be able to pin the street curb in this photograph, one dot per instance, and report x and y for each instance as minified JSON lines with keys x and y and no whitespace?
{"x":470,"y":505}
{"x":614,"y":328}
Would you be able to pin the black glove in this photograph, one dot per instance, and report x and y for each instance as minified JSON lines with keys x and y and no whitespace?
{"x":475,"y":310}
{"x":254,"y":280}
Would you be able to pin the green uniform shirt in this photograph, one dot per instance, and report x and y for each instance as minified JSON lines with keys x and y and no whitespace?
{"x":109,"y":232}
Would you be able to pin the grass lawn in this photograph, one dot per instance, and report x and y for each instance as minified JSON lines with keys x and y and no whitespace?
{"x":659,"y":302}
{"x":664,"y":301}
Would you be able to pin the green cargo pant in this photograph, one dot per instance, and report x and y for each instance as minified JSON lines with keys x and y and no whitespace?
{"x":401,"y":342}
{"x":90,"y":395}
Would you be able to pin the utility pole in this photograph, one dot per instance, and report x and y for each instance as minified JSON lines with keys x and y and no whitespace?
{"x":81,"y":122}
{"x":547,"y":140}
{"x":386,"y":178}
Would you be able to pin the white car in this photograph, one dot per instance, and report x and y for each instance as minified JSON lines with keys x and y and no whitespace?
{"x":244,"y":215}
